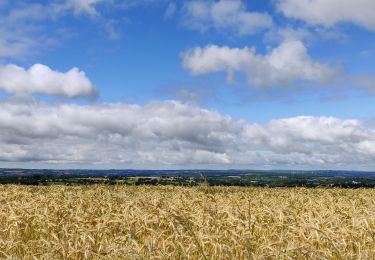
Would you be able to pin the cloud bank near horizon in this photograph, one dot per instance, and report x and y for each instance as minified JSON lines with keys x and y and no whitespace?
{"x":172,"y":133}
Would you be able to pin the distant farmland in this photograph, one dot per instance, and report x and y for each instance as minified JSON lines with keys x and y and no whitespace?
{"x":254,"y":178}
{"x":159,"y":222}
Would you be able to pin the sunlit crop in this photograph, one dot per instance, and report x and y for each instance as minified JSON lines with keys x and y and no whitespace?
{"x":130,"y":222}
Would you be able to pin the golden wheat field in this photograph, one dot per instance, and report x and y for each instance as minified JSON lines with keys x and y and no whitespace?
{"x":130,"y":222}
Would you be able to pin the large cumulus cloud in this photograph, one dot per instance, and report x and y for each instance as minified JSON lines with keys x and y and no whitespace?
{"x":174,"y":134}
{"x":166,"y":132}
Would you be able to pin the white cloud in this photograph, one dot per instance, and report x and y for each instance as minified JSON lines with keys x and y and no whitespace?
{"x":163,"y":133}
{"x":283,"y":65}
{"x":330,"y":12}
{"x":79,"y":6}
{"x":41,"y":79}
{"x":171,"y":133}
{"x":305,"y":133}
{"x":224,"y":15}
{"x":318,"y":141}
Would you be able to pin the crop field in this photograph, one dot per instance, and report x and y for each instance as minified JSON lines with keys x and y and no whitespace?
{"x":154,"y":222}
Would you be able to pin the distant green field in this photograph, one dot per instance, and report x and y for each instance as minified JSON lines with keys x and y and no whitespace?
{"x":328,"y":179}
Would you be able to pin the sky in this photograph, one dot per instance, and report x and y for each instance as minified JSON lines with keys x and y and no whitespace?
{"x":199,"y":84}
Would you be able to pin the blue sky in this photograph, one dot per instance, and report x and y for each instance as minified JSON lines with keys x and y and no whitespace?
{"x":256,"y":70}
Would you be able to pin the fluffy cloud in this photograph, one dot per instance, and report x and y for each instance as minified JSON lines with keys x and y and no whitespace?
{"x":172,"y":133}
{"x":306,"y":133}
{"x":318,"y":141}
{"x":163,"y":133}
{"x":284,"y":65}
{"x":41,"y":79}
{"x":330,"y":12}
{"x":224,"y":15}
